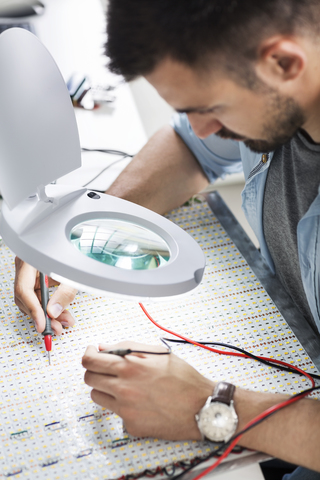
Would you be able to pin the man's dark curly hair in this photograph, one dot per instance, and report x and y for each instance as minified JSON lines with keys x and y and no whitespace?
{"x":199,"y":33}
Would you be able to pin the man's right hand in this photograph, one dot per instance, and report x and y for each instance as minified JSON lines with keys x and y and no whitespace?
{"x":28,"y":296}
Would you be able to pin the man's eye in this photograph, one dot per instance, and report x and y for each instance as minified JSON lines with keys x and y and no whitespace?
{"x":209,"y":110}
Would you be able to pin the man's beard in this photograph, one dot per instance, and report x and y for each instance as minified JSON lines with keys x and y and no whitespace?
{"x":284,"y":118}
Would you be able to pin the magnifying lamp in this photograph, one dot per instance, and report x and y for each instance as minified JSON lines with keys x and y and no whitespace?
{"x":80,"y":237}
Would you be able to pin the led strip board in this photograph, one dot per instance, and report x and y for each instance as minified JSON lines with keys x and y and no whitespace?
{"x":50,"y":428}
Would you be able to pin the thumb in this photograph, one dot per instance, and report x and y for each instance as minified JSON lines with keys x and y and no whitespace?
{"x":60,"y":300}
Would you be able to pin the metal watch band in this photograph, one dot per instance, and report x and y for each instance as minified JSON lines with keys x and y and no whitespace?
{"x":223,"y":393}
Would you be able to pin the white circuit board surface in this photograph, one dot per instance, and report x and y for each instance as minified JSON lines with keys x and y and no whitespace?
{"x":50,"y":428}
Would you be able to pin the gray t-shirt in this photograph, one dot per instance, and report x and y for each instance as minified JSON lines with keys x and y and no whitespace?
{"x":292,"y":185}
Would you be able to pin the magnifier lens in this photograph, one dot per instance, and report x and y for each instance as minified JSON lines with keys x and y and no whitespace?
{"x":120,"y":244}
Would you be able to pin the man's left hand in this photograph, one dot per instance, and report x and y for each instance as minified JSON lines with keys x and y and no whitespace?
{"x":155,"y":395}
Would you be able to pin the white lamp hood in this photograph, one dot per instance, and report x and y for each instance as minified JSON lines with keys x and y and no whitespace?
{"x":92,"y":240}
{"x":39,"y":139}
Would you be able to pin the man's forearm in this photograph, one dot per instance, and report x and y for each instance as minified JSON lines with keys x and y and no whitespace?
{"x":162,"y":176}
{"x":292,"y":434}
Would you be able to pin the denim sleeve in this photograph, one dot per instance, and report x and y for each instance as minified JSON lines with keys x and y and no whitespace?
{"x":216,"y":156}
{"x":301,"y":473}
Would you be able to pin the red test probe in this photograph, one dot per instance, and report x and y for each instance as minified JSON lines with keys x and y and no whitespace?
{"x":47,"y":332}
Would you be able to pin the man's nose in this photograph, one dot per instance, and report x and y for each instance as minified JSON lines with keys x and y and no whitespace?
{"x":203,"y":127}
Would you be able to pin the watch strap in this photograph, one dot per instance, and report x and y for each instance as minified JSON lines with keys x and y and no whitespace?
{"x":223,"y":392}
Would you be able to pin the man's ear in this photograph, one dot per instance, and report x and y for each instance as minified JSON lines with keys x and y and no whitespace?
{"x":281,"y":59}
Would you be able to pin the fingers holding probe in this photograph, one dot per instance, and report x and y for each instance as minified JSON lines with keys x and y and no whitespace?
{"x":27,"y":298}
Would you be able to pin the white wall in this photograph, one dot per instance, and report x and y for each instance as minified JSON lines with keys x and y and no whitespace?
{"x":153,"y":110}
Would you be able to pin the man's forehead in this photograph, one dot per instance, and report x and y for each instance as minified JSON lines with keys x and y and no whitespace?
{"x":173,"y":72}
{"x":188,"y":89}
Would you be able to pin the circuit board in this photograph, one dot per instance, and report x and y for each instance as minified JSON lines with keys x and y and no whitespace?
{"x":49,"y":426}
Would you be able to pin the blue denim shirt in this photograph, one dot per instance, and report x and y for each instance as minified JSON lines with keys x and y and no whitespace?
{"x":219,"y":157}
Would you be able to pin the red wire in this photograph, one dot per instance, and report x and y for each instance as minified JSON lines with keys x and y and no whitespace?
{"x":263,"y":415}
{"x":258,"y":418}
{"x":222,"y":352}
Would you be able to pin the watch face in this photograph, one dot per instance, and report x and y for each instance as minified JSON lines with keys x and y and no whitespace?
{"x":218,"y":421}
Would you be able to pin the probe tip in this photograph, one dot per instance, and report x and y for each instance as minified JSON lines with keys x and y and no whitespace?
{"x":49,"y":357}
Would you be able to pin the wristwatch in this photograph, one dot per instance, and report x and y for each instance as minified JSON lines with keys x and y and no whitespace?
{"x":217,"y":420}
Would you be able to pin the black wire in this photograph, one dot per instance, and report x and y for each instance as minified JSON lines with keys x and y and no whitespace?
{"x":122,"y":352}
{"x":150,"y":353}
{"x":197,"y":461}
{"x":104,"y":169}
{"x":251,"y":355}
{"x":108,"y":151}
{"x":169,"y":474}
{"x":187,"y":467}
